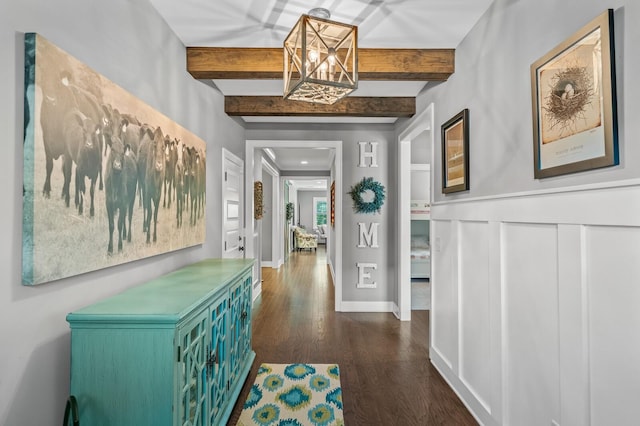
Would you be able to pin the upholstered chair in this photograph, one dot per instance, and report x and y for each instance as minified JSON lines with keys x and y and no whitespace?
{"x":305,"y":240}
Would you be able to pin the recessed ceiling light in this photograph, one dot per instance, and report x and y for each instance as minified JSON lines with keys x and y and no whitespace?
{"x":304,"y":162}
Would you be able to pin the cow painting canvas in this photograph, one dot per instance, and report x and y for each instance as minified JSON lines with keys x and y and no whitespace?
{"x":107,"y":179}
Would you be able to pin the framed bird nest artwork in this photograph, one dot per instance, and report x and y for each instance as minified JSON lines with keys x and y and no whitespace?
{"x":574,"y":103}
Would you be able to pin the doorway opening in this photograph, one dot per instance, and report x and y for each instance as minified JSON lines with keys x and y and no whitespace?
{"x":254,"y":150}
{"x":415,"y":154}
{"x":308,"y":229}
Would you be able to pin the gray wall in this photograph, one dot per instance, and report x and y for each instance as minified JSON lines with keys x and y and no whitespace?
{"x":386,"y":174}
{"x":305,"y":201}
{"x":492,"y":79}
{"x":126,"y":41}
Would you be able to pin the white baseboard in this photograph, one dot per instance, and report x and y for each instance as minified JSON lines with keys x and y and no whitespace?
{"x":367,"y":306}
{"x":396,"y":310}
{"x":477,"y":410}
{"x":266,"y":264}
{"x":333,"y":272}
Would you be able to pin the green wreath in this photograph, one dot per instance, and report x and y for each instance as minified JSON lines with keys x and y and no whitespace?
{"x":289,"y":211}
{"x":367,"y":184}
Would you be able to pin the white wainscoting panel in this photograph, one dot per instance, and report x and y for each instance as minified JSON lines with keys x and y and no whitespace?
{"x":535,"y":314}
{"x":613,"y":271}
{"x":530,"y":279}
{"x":475,"y":313}
{"x":444,"y":319}
{"x":572,"y":322}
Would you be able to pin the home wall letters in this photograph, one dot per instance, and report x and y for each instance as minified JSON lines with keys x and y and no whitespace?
{"x":367,"y":236}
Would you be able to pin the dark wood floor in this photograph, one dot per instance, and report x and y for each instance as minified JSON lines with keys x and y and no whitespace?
{"x":385,"y":372}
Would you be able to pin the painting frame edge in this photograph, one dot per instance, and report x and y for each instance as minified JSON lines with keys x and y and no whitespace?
{"x":27,"y":277}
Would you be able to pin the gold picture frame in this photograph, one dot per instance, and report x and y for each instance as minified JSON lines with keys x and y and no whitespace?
{"x":455,"y":153}
{"x":258,"y":203}
{"x":574,"y":103}
{"x":333,"y":204}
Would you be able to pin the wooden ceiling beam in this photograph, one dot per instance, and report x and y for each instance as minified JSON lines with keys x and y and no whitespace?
{"x":373,"y":64}
{"x":350,"y":106}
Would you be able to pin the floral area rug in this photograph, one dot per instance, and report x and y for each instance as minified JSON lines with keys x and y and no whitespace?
{"x":294,"y":395}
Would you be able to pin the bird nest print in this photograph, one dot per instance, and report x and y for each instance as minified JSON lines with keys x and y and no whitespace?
{"x":568,"y":102}
{"x":570,"y":92}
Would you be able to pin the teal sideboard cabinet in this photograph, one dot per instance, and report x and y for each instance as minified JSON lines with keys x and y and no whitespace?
{"x":173,"y":351}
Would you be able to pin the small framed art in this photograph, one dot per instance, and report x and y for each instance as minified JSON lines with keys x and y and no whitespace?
{"x":574,"y":103}
{"x":455,"y":153}
{"x":333,"y":203}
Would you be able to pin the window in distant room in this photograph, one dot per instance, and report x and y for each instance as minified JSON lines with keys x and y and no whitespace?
{"x":319,"y":211}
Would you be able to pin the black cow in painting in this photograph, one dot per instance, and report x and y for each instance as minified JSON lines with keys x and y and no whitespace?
{"x":57,"y":102}
{"x":196,"y":185}
{"x":83,"y":140}
{"x":131,"y":183}
{"x":131,"y":134}
{"x":179,"y":184}
{"x":170,"y":158}
{"x":202,"y":181}
{"x":145,"y":142}
{"x":116,"y":191}
{"x":61,"y":99}
{"x":188,"y":164}
{"x":154,"y":176}
{"x":116,"y":123}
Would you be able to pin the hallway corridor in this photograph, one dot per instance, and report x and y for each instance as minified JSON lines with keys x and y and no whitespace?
{"x":386,"y":376}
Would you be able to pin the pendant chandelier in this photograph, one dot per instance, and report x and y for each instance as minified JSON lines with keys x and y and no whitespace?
{"x":320,"y":59}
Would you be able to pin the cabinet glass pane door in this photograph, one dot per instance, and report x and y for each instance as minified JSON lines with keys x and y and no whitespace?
{"x":240,"y":310}
{"x":245,"y":342}
{"x":192,"y":374}
{"x":218,"y":378}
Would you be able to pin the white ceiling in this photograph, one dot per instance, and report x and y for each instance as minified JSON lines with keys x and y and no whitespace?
{"x":417,"y":24}
{"x":317,"y":159}
{"x":309,"y":184}
{"x":420,"y":24}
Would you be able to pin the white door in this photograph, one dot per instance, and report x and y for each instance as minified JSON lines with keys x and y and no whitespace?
{"x":232,"y":196}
